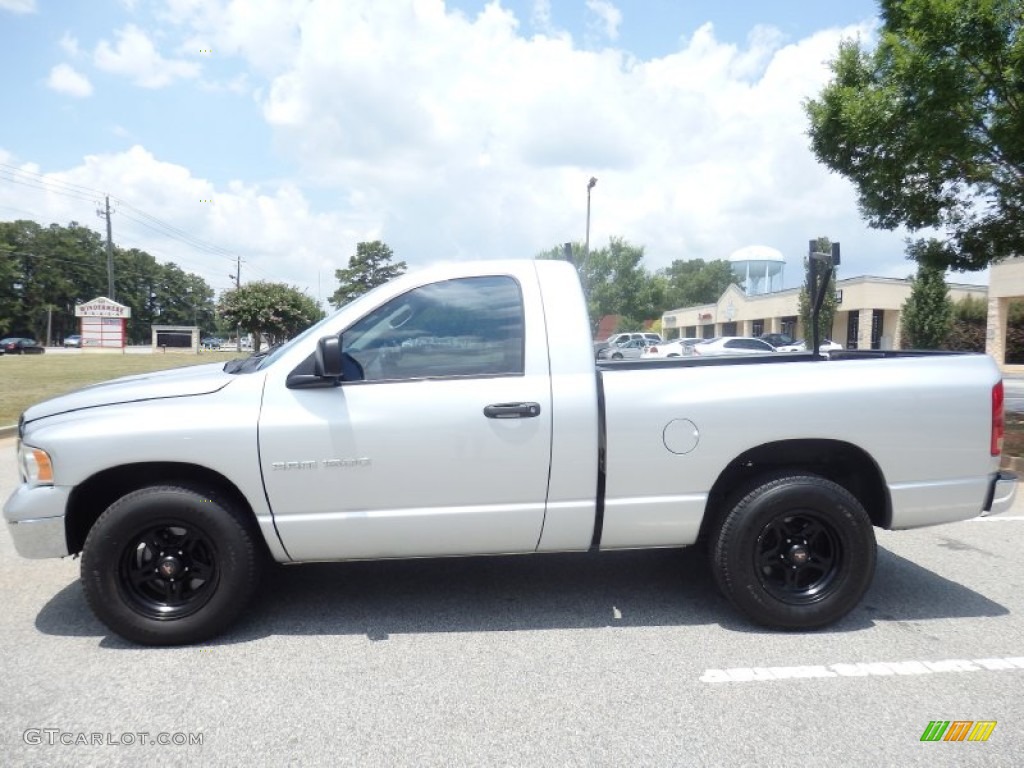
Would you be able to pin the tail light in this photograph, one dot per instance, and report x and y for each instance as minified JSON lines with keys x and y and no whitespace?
{"x":653,"y":350}
{"x":998,"y":425}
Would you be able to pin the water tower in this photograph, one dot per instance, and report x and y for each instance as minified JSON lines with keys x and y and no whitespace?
{"x":759,"y":268}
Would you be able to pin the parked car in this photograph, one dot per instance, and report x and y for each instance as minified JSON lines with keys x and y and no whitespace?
{"x":631,"y":349}
{"x":212,"y":342}
{"x":73,"y":340}
{"x":732,"y":345}
{"x":777,"y":339}
{"x":619,"y":338}
{"x":801,"y":346}
{"x":674,"y":348}
{"x":17,"y":346}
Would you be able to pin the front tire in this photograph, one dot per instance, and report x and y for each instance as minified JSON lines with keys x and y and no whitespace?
{"x":617,"y":356}
{"x":170,"y":565}
{"x":796,"y":552}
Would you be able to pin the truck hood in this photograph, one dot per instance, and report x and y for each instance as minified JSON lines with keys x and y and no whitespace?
{"x":177,"y":382}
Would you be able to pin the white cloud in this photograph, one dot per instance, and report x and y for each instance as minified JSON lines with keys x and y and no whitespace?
{"x":276,"y":231}
{"x":64,"y":79}
{"x":136,"y":57}
{"x":540,"y":16}
{"x":473,"y":140}
{"x":607,"y":17}
{"x":18,"y":6}
{"x":69,"y":44}
{"x":455,"y":136}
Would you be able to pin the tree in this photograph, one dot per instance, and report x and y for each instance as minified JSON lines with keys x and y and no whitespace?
{"x":696,"y":281}
{"x":615,"y":282}
{"x":930,"y":125}
{"x":927,"y":316}
{"x":828,"y":307}
{"x":46,"y":271}
{"x":274,"y":310}
{"x":371,"y":266}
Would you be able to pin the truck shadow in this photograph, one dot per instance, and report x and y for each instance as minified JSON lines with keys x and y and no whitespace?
{"x":652,"y":588}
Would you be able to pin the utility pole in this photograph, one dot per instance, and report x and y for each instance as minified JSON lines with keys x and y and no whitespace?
{"x":110,"y":252}
{"x":586,"y":247}
{"x":237,"y":277}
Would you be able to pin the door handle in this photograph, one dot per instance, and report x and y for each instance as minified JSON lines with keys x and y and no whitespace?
{"x":512,"y":410}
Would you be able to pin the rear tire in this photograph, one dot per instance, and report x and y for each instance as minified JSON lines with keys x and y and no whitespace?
{"x":617,"y":356}
{"x":170,"y":565}
{"x":796,"y":552}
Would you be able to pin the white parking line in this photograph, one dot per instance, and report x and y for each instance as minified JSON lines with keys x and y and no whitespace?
{"x":997,"y":519}
{"x":860,"y":669}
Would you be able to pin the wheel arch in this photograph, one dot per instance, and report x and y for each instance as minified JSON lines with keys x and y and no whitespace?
{"x":90,"y":498}
{"x":841,"y":462}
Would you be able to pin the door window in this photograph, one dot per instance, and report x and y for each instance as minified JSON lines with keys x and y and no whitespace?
{"x":467,"y":327}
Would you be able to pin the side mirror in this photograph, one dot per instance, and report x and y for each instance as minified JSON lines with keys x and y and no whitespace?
{"x":327,"y":360}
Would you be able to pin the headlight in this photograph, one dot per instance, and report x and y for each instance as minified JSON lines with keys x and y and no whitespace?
{"x":36,"y":468}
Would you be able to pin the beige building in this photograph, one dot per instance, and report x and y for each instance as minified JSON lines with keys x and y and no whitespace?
{"x":868,"y":315}
{"x":1006,"y":283}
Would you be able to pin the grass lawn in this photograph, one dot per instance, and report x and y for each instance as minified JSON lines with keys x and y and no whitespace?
{"x":27,"y":379}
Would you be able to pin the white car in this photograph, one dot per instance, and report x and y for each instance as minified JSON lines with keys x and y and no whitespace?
{"x":674,"y":348}
{"x":732,"y":345}
{"x":801,"y":346}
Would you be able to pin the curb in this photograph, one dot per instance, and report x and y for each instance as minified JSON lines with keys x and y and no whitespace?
{"x":9,"y":431}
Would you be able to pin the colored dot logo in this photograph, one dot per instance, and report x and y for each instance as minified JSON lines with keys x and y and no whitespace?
{"x":206,"y":50}
{"x":206,"y":200}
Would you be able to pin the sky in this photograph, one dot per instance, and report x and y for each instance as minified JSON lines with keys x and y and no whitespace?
{"x":284,"y":132}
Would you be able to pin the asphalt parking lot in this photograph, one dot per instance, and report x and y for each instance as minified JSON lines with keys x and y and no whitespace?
{"x":626,"y":658}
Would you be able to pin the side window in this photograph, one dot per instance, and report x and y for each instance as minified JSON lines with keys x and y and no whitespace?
{"x":467,"y":327}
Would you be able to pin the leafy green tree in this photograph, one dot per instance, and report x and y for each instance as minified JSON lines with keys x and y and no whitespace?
{"x":274,"y":310}
{"x":51,"y":268}
{"x":615,"y":282}
{"x":46,"y":271}
{"x":967,"y":331}
{"x":369,"y":267}
{"x":927,"y":316}
{"x":829,"y":306}
{"x":696,"y":281}
{"x":929,"y":126}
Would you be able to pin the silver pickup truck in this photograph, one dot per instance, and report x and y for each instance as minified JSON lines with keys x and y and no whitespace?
{"x":458,"y":410}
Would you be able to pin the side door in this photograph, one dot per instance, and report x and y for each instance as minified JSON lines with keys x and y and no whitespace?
{"x":439,"y":443}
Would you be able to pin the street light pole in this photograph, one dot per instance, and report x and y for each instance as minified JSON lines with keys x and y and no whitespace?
{"x":586,"y":247}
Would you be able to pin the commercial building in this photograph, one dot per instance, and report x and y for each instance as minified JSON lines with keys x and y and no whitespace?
{"x":1006,"y":283}
{"x":867,"y":317}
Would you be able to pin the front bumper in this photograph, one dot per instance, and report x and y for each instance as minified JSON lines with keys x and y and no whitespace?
{"x":35,"y":518}
{"x":1002,"y":493}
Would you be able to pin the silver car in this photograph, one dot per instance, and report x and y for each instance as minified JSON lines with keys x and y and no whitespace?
{"x":628,"y":350}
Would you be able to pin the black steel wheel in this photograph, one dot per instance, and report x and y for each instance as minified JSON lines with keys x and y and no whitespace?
{"x":795,"y":552}
{"x":169,"y":570}
{"x":169,"y":565}
{"x":798,"y":557}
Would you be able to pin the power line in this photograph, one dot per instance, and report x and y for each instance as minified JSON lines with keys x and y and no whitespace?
{"x":39,"y":177}
{"x":43,"y":183}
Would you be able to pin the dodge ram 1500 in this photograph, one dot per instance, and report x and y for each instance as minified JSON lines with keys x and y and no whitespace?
{"x":458,"y":410}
